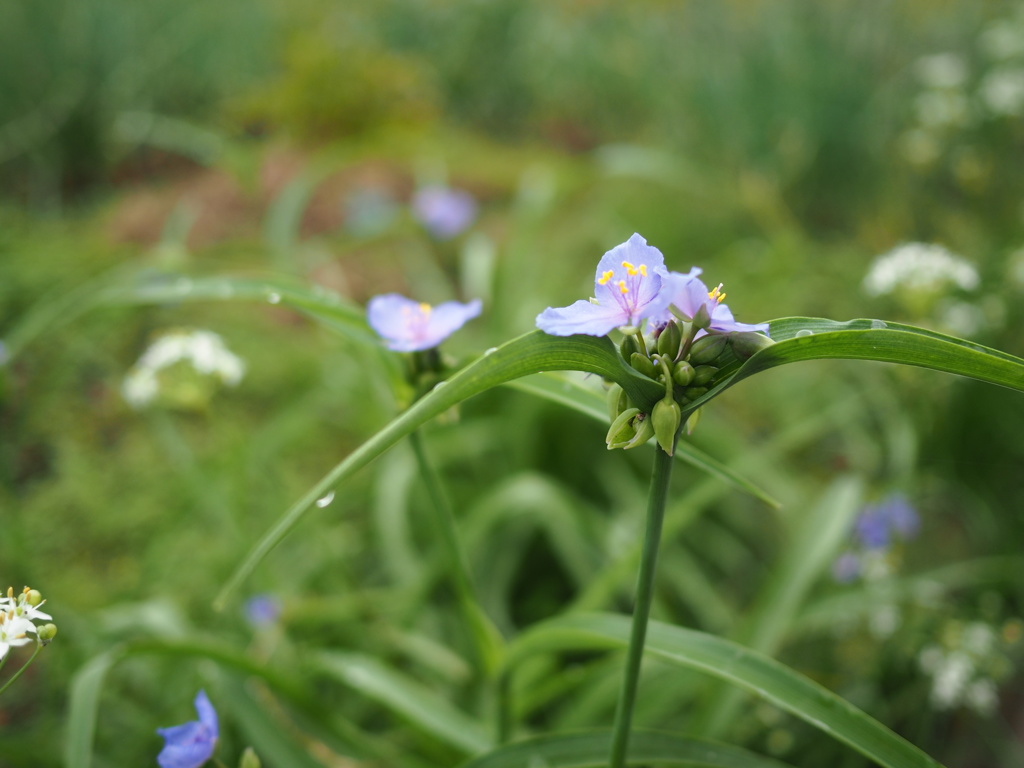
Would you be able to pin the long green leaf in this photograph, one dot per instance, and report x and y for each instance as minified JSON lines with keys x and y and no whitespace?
{"x":421,"y":706}
{"x":532,"y":353}
{"x":730,"y":661}
{"x":813,"y":338}
{"x":83,"y":707}
{"x":590,"y":750}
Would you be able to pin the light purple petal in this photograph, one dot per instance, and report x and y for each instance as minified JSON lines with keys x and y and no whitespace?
{"x":207,"y":714}
{"x":582,"y":317}
{"x":631,"y":276}
{"x":445,"y":212}
{"x":411,"y":326}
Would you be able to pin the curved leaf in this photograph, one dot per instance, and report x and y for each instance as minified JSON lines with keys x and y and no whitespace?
{"x":590,"y":750}
{"x":531,"y":353}
{"x":730,"y":661}
{"x":431,"y":712}
{"x":814,"y":338}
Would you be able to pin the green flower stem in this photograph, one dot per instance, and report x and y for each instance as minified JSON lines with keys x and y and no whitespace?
{"x":17,"y":674}
{"x":642,"y":610}
{"x":483,"y":635}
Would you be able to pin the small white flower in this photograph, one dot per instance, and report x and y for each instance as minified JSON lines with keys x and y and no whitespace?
{"x":920,"y":267}
{"x":941,"y":109}
{"x":941,"y":70}
{"x":1002,"y":91}
{"x":982,"y":696}
{"x":14,"y":631}
{"x":950,"y":680}
{"x":1003,"y":40}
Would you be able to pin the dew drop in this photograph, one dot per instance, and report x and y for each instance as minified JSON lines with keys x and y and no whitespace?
{"x":804,"y":332}
{"x":323,"y":501}
{"x":490,"y":351}
{"x":274,"y":298}
{"x":879,"y":324}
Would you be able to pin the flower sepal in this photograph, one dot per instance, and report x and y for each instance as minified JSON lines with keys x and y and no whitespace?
{"x":631,"y":429}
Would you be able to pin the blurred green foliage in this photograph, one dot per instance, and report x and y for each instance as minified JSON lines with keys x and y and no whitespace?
{"x":766,"y":142}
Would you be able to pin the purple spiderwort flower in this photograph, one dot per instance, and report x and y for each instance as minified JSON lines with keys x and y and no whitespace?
{"x":689,"y":296}
{"x":191,"y":744}
{"x":262,"y":611}
{"x":412,"y":326}
{"x":878,"y":522}
{"x":445,"y":212}
{"x":872,"y":528}
{"x":628,"y":288}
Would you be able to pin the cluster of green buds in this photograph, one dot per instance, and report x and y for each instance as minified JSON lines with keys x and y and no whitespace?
{"x":688,"y":367}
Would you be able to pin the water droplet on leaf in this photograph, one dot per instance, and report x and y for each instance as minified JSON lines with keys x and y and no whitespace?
{"x":274,"y":298}
{"x":878,"y":324}
{"x":323,"y":501}
{"x":490,"y":351}
{"x":804,"y":332}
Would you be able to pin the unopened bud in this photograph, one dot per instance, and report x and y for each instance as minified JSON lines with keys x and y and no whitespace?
{"x":617,"y":401}
{"x":748,"y":343}
{"x":702,"y":374}
{"x":249,"y":759}
{"x":46,"y":633}
{"x":643,"y":364}
{"x":707,"y":348}
{"x":703,"y":318}
{"x":628,"y":346}
{"x":33,"y":597}
{"x":666,"y":417}
{"x":683,"y":373}
{"x":669,"y":340}
{"x":692,"y":393}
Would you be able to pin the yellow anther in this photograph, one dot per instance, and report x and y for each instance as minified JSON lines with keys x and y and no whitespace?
{"x":634,"y":270}
{"x":717,"y":294}
{"x":10,"y":591}
{"x":425,"y":308}
{"x":643,"y":269}
{"x":606,"y":276}
{"x":622,"y":286}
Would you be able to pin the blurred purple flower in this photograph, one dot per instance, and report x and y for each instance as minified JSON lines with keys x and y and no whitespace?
{"x":903,"y":518}
{"x":690,"y":296}
{"x":411,"y":326}
{"x":444,"y":211}
{"x":872,"y":528}
{"x":846,"y":568}
{"x":628,"y":289}
{"x":262,"y":610}
{"x":191,"y":744}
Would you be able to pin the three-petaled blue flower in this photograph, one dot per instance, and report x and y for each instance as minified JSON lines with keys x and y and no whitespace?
{"x":412,"y":326}
{"x":689,"y":295}
{"x":191,"y":744}
{"x":628,"y":289}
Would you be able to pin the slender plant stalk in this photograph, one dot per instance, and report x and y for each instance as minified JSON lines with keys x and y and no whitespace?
{"x":642,"y":609}
{"x":25,"y":666}
{"x":483,"y":635}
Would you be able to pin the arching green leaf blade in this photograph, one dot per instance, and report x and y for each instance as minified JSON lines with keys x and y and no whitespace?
{"x":730,"y":661}
{"x":590,"y":750}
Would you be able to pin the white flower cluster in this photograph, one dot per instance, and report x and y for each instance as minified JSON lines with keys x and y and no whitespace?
{"x":919,"y":267}
{"x":965,"y":668}
{"x":17,"y":614}
{"x":205,"y":351}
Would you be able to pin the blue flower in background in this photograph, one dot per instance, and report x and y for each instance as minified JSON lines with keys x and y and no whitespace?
{"x":846,"y":568}
{"x":262,"y":611}
{"x":878,"y":522}
{"x":191,"y":744}
{"x":445,"y":212}
{"x":628,"y":288}
{"x":412,"y":326}
{"x":688,"y":294}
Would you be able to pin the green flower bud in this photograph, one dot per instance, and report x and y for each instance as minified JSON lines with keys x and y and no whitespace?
{"x":702,"y":374}
{"x":683,"y":373}
{"x":628,"y":346}
{"x":249,"y":759}
{"x":669,"y":340}
{"x":617,"y":401}
{"x":631,"y":429}
{"x":666,"y":417}
{"x":694,"y":392}
{"x":33,"y":597}
{"x":707,"y":348}
{"x":643,"y":364}
{"x":747,"y":343}
{"x":702,"y":319}
{"x":46,"y":633}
